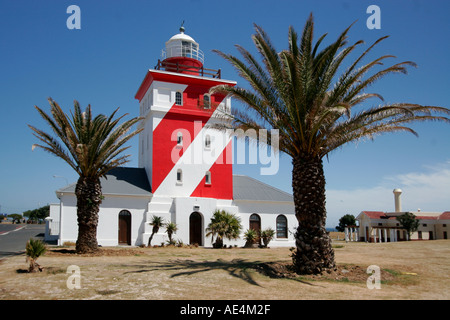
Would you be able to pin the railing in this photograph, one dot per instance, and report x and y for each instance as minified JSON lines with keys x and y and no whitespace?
{"x":177,"y":67}
{"x":185,"y":50}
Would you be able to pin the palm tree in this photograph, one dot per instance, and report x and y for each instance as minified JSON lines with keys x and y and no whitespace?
{"x":223,"y":225}
{"x":92,"y":147}
{"x":157,"y":222}
{"x":302,"y":93}
{"x":171,"y":227}
{"x":267,"y":236}
{"x":250,"y":237}
{"x":34,"y":249}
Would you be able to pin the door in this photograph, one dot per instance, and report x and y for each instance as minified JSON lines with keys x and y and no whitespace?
{"x":255,"y":224}
{"x":125,"y":227}
{"x":195,"y":229}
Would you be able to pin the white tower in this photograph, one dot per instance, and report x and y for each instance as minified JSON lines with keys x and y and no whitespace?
{"x":398,"y":201}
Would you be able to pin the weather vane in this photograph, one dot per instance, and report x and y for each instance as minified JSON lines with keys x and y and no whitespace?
{"x":182,"y":28}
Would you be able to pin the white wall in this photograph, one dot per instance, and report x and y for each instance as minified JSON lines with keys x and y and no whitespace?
{"x":107,"y":230}
{"x":268,"y":212}
{"x":177,"y":210}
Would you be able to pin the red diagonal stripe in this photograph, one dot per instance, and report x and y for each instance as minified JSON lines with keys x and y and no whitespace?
{"x":178,"y":117}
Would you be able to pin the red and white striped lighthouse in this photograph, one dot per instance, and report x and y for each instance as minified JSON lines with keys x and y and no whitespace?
{"x":183,"y":156}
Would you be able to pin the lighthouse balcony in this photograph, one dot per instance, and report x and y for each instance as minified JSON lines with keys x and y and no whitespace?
{"x":187,"y":67}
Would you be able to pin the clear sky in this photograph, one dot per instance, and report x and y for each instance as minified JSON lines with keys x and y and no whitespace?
{"x":104,"y":62}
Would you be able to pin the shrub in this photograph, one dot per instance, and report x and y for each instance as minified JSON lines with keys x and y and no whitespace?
{"x":250,"y":236}
{"x":34,"y":249}
{"x":267,"y":236}
{"x":223,"y":225}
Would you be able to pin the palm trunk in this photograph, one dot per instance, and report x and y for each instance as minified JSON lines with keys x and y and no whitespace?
{"x":314,"y":253}
{"x":154,"y":230}
{"x":89,"y":197}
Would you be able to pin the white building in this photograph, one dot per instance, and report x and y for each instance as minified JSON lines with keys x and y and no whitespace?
{"x":185,"y":167}
{"x":378,"y":226}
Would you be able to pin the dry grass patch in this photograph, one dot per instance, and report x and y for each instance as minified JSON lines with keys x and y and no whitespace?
{"x":414,"y":270}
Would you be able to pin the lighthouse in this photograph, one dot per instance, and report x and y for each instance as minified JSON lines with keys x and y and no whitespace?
{"x":185,"y":158}
{"x":185,"y":170}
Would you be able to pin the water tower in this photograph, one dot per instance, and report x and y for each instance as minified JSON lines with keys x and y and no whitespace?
{"x":398,"y":201}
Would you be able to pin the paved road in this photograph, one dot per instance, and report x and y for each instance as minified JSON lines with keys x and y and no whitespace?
{"x":13,"y":237}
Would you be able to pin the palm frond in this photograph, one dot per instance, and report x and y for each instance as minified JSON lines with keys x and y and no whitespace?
{"x":302,"y":92}
{"x":91,"y":146}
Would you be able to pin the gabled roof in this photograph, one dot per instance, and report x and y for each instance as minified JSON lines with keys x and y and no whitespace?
{"x":246,"y":188}
{"x":134,"y":181}
{"x":121,"y":181}
{"x":375,"y":214}
{"x":445,"y":216}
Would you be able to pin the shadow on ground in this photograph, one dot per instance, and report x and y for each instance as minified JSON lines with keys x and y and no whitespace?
{"x":238,"y":268}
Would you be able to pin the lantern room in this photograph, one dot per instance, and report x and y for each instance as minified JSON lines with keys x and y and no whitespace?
{"x":183,"y":55}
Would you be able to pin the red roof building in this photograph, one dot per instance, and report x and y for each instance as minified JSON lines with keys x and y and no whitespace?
{"x":379,"y":226}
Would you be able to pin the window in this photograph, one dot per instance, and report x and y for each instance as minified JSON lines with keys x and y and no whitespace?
{"x":206,"y":101}
{"x":179,"y":176}
{"x":281,"y":227}
{"x":178,"y":98}
{"x":207,"y":141}
{"x":208,"y":177}
{"x":179,"y":139}
{"x":186,"y":49}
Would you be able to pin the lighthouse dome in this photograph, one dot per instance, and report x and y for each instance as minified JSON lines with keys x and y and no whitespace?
{"x":184,"y":46}
{"x":181,"y":36}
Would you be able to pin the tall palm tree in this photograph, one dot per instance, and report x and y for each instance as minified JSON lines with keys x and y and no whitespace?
{"x":223,"y":225}
{"x":92,"y":147}
{"x":302,"y":93}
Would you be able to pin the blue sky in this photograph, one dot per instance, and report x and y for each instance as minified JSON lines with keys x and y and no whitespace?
{"x":104,"y":62}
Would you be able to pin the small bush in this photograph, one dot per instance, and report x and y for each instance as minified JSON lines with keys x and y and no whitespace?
{"x":34,"y":249}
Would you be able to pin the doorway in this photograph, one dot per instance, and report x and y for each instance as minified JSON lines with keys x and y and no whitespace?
{"x":124,"y":227}
{"x":255,"y":224}
{"x":195,"y":229}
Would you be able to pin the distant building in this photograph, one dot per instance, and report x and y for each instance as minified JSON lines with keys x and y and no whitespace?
{"x":378,"y":226}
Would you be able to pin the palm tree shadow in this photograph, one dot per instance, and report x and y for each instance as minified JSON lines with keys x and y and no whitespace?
{"x":238,"y":268}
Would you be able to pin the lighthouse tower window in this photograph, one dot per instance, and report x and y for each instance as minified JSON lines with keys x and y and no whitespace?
{"x":208,"y":142}
{"x":206,"y":101}
{"x":208,"y":177}
{"x":179,"y":139}
{"x":178,"y":98}
{"x":179,"y":176}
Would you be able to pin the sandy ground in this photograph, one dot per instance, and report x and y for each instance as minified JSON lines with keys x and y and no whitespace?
{"x":409,"y":270}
